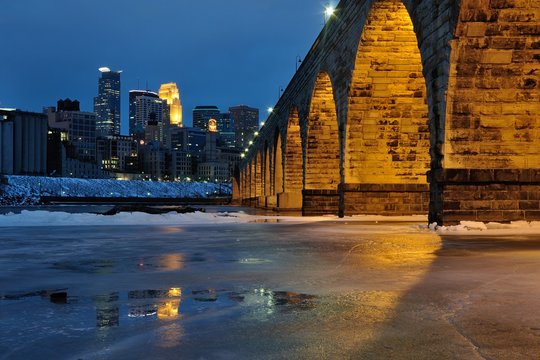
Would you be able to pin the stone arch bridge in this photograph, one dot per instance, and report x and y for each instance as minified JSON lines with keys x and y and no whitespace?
{"x":408,"y":107}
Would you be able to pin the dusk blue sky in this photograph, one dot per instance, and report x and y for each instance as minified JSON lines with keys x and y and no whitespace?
{"x":219,"y":52}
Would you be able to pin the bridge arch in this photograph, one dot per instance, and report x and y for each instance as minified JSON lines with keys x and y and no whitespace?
{"x":278,"y":163}
{"x":479,"y":62}
{"x":387,"y":145}
{"x":266,"y":170}
{"x":293,"y":161}
{"x":322,"y":165}
{"x":322,"y":143}
{"x":258,"y":178}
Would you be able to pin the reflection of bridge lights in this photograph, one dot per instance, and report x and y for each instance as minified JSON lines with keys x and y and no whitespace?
{"x":168,"y":309}
{"x":175,"y":292}
{"x":171,"y":262}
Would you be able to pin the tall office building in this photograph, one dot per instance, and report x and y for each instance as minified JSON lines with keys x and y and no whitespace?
{"x":201,"y":115}
{"x":170,"y":93}
{"x":80,"y":128}
{"x":107,"y":103}
{"x":246,"y":123}
{"x":225,"y":125}
{"x":144,"y":107}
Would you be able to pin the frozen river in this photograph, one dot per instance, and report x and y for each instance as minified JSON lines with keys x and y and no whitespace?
{"x":266,"y":290}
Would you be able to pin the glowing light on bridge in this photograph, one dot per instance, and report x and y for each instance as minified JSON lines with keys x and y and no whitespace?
{"x":329,"y":11}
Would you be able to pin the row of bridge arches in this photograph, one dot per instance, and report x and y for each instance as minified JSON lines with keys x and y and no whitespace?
{"x":405,"y":107}
{"x":385,"y":139}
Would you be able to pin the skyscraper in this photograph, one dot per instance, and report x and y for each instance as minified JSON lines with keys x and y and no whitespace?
{"x":170,"y":93}
{"x":225,"y":125}
{"x":80,"y":128}
{"x":144,"y":107}
{"x":107,"y":103}
{"x":201,"y":115}
{"x":246,"y":123}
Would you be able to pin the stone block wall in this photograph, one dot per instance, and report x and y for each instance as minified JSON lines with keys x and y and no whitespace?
{"x":385,"y":199}
{"x":320,"y":202}
{"x":322,"y":153}
{"x":293,"y":155}
{"x":494,"y":89}
{"x":500,"y":195}
{"x":388,"y":137}
{"x":480,"y":66}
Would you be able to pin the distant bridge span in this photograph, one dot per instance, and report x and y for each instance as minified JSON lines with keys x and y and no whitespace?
{"x":408,"y":107}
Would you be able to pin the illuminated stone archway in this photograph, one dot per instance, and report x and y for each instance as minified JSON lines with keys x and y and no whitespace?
{"x":322,"y":168}
{"x":258,"y":178}
{"x":248,"y":182}
{"x":290,"y":198}
{"x":387,"y":139}
{"x":242,"y":188}
{"x":267,"y":183}
{"x":278,"y":164}
{"x":480,"y":63}
{"x":252,"y":180}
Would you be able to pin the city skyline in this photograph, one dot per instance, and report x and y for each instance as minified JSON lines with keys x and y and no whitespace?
{"x":225,"y":64}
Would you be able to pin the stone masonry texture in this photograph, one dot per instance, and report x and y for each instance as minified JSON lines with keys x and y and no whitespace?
{"x":409,"y":106}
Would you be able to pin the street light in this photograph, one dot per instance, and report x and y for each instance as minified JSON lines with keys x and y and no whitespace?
{"x":328,"y":12}
{"x":270,"y":109}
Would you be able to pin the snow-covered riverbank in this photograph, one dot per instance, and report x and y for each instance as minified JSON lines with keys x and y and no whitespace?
{"x":27,"y":190}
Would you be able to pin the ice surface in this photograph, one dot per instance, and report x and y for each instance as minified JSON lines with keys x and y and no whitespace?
{"x":196,"y":287}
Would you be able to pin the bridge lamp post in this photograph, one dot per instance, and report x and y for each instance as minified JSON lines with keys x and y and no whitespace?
{"x":328,"y":12}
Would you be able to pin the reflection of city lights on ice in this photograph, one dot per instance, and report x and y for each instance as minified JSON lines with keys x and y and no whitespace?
{"x":168,"y":309}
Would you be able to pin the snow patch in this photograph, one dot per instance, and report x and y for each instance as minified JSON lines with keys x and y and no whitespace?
{"x":474,"y":227}
{"x":47,"y":218}
{"x":27,"y":190}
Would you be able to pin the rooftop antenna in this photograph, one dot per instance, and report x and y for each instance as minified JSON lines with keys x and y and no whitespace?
{"x":147,"y":89}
